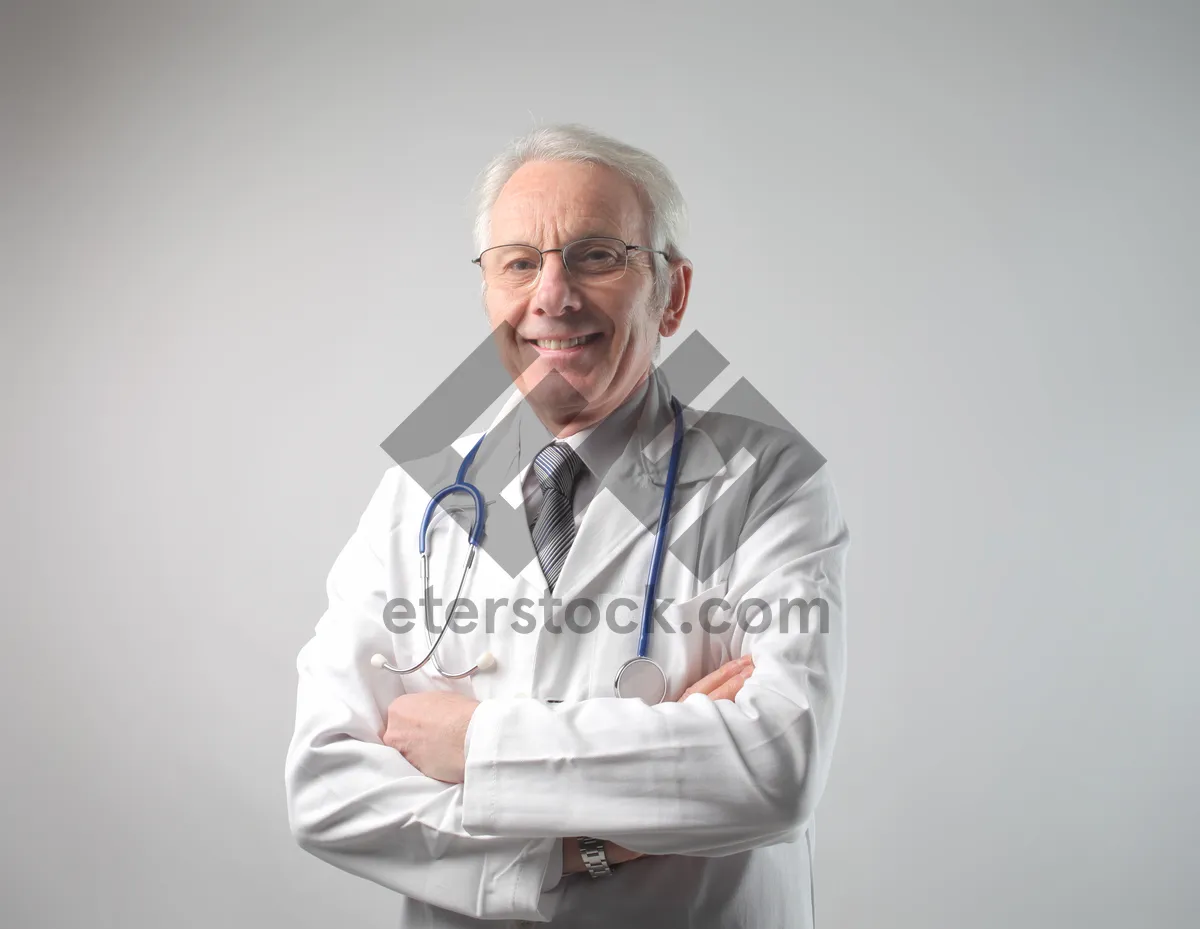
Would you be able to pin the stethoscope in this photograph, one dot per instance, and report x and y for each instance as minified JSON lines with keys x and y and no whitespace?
{"x":640,"y":676}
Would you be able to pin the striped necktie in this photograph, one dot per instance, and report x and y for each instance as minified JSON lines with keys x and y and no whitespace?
{"x":556,"y":467}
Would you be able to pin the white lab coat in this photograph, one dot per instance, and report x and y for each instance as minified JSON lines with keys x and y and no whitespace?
{"x":720,"y":795}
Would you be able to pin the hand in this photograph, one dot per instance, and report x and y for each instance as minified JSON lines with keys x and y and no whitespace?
{"x":725,"y":682}
{"x":430,"y":730}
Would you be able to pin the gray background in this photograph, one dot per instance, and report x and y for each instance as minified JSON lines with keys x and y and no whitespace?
{"x":955,"y":244}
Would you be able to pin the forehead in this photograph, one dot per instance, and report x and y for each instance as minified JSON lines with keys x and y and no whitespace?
{"x":561,"y":200}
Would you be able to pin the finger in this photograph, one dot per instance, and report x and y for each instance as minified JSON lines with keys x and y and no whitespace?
{"x":710,"y":681}
{"x":730,"y":688}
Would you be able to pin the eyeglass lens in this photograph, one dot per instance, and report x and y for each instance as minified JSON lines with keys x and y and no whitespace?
{"x":588,"y":259}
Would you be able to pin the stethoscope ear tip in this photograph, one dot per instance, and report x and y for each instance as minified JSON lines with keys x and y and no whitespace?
{"x":378,"y":660}
{"x":486,"y":661}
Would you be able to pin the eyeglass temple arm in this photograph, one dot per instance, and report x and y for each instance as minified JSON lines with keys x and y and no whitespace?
{"x":643,"y":248}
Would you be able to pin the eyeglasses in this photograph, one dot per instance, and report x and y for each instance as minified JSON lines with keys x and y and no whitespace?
{"x":597,"y":259}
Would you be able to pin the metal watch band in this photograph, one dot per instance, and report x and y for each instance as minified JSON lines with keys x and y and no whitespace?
{"x":594,"y":859}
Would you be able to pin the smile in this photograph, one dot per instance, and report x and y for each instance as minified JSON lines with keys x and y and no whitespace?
{"x":557,"y":345}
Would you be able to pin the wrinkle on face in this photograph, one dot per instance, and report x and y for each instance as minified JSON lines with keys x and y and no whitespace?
{"x":548,"y":205}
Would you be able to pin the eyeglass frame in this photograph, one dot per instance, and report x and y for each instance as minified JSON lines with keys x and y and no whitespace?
{"x":542,"y":253}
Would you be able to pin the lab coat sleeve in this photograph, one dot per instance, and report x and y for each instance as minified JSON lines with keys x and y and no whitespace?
{"x":357,"y":803}
{"x":698,"y":777}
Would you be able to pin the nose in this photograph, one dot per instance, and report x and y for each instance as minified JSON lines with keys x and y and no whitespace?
{"x":557,"y":293}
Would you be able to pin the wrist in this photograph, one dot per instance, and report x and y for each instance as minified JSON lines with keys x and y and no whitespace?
{"x":572,"y":859}
{"x":594,"y":853}
{"x":465,"y":725}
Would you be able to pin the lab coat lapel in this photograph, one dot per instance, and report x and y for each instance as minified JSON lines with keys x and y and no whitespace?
{"x":496,"y":465}
{"x":627,"y":504}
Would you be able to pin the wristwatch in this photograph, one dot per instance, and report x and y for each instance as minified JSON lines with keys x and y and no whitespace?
{"x":594,"y":859}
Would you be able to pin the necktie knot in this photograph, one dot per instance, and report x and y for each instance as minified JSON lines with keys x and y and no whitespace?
{"x":557,"y":466}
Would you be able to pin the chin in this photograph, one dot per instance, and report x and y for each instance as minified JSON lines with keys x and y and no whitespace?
{"x":549,"y":388}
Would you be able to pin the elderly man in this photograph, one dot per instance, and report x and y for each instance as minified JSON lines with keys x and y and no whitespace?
{"x":528,"y":787}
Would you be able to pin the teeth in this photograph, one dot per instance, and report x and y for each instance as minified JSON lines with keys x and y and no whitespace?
{"x":555,"y":344}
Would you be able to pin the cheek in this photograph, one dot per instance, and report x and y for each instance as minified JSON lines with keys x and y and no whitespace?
{"x":499,"y":313}
{"x":639,"y":327}
{"x":496,"y":314}
{"x":630,"y":324}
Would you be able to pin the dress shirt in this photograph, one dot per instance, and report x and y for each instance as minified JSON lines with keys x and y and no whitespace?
{"x":596,"y":458}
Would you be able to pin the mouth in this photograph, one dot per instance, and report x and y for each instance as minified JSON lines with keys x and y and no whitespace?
{"x":564,"y":346}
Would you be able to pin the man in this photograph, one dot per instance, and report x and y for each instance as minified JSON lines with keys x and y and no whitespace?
{"x":472,"y":796}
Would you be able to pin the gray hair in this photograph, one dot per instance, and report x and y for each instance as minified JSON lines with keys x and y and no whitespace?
{"x":661,"y":199}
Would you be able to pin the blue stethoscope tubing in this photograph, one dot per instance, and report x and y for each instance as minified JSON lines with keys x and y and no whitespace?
{"x":640,"y":676}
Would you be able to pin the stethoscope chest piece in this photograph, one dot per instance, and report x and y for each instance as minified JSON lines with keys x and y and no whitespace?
{"x":641,"y":678}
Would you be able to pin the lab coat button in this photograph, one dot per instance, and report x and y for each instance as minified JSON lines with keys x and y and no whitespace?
{"x":521,"y":696}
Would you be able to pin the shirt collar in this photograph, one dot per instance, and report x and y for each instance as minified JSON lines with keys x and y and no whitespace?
{"x":611,"y":434}
{"x":598,"y":445}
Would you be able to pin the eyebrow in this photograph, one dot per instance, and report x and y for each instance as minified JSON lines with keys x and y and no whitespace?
{"x":576,"y":238}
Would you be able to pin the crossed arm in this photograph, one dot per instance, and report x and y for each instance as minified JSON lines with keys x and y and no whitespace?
{"x":454,"y":813}
{"x":429,"y":729}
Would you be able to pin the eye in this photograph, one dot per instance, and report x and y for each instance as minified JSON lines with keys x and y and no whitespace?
{"x":593,"y":256}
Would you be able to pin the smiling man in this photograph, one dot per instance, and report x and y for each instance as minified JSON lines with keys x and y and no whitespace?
{"x":597,"y":327}
{"x":505,"y":775}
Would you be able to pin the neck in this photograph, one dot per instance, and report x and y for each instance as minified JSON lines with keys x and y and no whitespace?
{"x":565,"y":422}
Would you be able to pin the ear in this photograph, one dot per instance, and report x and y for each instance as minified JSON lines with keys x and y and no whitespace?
{"x":681,"y":285}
